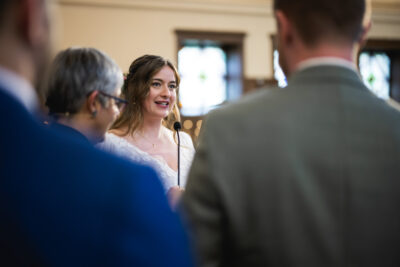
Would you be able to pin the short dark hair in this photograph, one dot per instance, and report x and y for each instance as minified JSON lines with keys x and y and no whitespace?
{"x":75,"y":73}
{"x":318,"y":19}
{"x":3,"y":6}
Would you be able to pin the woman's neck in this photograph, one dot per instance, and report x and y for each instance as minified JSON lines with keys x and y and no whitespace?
{"x":152,"y":128}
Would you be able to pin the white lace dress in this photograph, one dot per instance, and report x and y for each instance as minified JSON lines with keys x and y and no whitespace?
{"x":169,"y":177}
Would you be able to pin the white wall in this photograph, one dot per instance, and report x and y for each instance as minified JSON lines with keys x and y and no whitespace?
{"x":126,"y":29}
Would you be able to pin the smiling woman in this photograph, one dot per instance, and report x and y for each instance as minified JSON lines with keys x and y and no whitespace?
{"x":162,"y":94}
{"x":144,"y":131}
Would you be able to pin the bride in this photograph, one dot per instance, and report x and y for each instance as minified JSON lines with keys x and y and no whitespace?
{"x":144,"y":130}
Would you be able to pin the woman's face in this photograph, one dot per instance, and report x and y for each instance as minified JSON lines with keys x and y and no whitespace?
{"x":162,"y":94}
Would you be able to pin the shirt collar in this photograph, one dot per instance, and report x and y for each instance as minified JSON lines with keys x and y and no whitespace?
{"x":330,"y":61}
{"x":19,"y":88}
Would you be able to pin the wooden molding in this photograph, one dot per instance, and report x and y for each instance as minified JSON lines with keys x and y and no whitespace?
{"x":380,"y":44}
{"x":255,"y":8}
{"x":224,"y":37}
{"x":386,"y":4}
{"x":383,"y":10}
{"x":386,"y":11}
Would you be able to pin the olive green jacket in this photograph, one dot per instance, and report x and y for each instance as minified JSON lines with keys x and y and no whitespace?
{"x":308,"y":175}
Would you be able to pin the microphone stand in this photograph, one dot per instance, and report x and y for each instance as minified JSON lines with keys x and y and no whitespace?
{"x":179,"y":160}
{"x":177,"y":127}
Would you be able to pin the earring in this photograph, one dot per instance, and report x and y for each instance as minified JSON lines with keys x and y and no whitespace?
{"x":94,"y":114}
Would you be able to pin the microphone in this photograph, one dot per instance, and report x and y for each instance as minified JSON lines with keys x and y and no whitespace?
{"x":177,"y":127}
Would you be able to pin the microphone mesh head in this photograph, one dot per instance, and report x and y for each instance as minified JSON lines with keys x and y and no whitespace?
{"x":177,"y":126}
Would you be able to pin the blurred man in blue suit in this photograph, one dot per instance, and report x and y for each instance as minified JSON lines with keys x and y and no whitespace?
{"x":63,"y":203}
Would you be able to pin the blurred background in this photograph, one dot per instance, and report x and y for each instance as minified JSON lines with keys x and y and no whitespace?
{"x":222,"y":48}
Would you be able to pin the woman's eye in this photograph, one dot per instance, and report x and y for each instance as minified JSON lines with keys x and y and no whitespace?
{"x":172,"y":86}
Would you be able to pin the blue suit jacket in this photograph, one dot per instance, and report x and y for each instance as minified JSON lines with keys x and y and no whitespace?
{"x":64,"y":203}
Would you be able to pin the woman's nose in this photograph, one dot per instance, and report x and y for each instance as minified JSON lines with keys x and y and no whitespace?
{"x":165,"y":91}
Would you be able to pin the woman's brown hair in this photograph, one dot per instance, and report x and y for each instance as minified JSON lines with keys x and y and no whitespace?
{"x":137,"y":87}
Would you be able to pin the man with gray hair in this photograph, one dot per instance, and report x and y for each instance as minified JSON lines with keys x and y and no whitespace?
{"x":307,"y":175}
{"x":82,"y":94}
{"x":62,"y":202}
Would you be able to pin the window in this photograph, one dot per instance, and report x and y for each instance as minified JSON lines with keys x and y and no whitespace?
{"x":203,"y":73}
{"x":210,"y":65}
{"x":211,"y":68}
{"x":375,"y":71}
{"x":379,"y":64}
{"x":278,"y":72}
{"x":279,"y":76}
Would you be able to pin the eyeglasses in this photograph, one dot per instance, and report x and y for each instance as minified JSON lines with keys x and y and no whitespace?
{"x":119,"y":102}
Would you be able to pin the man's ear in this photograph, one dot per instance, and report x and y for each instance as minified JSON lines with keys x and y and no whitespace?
{"x":364,"y":34}
{"x":91,"y":102}
{"x":366,"y":24}
{"x":285,"y":28}
{"x":34,"y":22}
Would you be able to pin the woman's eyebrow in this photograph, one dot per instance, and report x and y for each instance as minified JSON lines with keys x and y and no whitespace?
{"x":161,"y":80}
